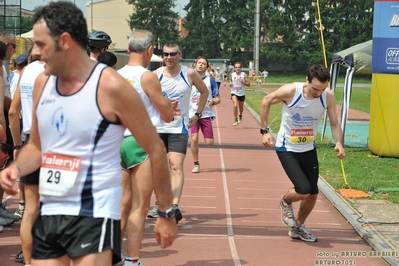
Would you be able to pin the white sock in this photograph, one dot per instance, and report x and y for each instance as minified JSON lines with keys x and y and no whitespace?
{"x":131,"y":261}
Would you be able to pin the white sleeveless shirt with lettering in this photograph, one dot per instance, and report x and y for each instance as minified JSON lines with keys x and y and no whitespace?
{"x":28,"y":78}
{"x":299,"y":122}
{"x":133,"y":75}
{"x":176,"y":89}
{"x":238,"y":88}
{"x":72,"y":125}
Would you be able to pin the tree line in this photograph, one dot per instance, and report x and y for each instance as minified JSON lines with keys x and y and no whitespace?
{"x":288,"y":28}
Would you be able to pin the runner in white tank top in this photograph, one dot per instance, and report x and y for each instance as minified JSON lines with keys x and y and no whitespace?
{"x":176,"y":81}
{"x":238,"y":82}
{"x":299,"y":122}
{"x":75,"y":138}
{"x":22,"y":103}
{"x":304,"y":104}
{"x":138,"y":181}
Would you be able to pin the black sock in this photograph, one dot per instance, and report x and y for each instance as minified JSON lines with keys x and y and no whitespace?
{"x":196,"y":163}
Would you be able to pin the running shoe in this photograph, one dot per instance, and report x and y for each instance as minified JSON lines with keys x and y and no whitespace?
{"x":5,"y":214}
{"x":240,"y":119}
{"x":235,"y":123}
{"x":6,"y":221}
{"x":153,"y":212}
{"x":20,"y":211}
{"x":302,"y":233}
{"x":287,"y":214}
{"x":1,"y":228}
{"x":19,"y":258}
{"x":178,"y":214}
{"x":196,"y":168}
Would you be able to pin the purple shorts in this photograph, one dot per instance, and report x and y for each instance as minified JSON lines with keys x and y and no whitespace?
{"x":206,"y":127}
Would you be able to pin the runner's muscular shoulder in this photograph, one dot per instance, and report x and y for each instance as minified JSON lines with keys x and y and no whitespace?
{"x":283,"y":94}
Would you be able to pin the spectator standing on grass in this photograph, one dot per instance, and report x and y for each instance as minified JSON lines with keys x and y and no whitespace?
{"x":303,"y":106}
{"x":205,"y":122}
{"x":264,"y":75}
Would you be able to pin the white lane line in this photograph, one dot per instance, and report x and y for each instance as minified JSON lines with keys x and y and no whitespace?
{"x":229,"y":222}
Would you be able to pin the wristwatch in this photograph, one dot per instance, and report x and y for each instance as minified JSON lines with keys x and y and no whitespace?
{"x":199,"y":115}
{"x":169,"y":213}
{"x":17,"y":147}
{"x":264,"y":130}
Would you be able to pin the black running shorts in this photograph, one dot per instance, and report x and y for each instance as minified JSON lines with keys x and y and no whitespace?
{"x":302,"y":168}
{"x":57,"y":235}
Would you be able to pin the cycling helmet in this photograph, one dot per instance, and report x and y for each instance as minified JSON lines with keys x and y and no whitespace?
{"x":99,"y":39}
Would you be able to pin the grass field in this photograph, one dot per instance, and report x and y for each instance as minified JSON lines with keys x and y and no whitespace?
{"x":364,"y":171}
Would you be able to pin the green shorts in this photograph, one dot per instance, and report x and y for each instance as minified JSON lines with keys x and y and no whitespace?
{"x":131,"y":153}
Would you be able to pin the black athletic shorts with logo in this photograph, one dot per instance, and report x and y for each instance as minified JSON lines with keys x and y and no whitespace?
{"x":57,"y":235}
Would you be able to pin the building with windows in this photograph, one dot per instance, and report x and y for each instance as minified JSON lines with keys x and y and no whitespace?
{"x":112,"y":17}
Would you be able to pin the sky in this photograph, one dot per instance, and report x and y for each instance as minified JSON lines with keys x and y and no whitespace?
{"x":30,"y":4}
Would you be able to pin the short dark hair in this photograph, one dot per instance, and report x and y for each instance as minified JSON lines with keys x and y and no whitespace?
{"x":202,"y":57}
{"x":107,"y":58}
{"x":319,"y":72}
{"x":174,"y":44}
{"x":63,"y":17}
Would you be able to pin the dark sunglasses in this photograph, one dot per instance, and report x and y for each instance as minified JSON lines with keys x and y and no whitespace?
{"x":170,"y":54}
{"x":13,"y":45}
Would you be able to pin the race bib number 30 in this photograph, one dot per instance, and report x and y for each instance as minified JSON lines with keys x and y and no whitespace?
{"x":58,"y":174}
{"x":300,"y":136}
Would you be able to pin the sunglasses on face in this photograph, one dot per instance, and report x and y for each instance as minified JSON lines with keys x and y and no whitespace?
{"x":170,"y":54}
{"x":13,"y":45}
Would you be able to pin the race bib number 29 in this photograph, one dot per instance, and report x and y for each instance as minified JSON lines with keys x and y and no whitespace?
{"x":58,"y":174}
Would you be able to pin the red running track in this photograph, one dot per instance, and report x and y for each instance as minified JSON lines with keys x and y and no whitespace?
{"x":231,"y":211}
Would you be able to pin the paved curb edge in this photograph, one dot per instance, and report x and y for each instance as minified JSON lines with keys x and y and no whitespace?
{"x":377,"y":241}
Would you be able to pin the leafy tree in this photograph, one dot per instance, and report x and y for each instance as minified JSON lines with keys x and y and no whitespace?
{"x":290,"y":32}
{"x":26,"y":24}
{"x":156,"y":16}
{"x":237,"y":29}
{"x":203,"y":24}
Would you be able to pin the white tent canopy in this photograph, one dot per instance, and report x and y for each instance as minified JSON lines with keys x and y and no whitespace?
{"x":28,"y":34}
{"x":156,"y":58}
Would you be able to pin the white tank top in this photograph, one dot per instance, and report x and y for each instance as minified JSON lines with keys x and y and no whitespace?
{"x":6,"y":83}
{"x":26,"y":83}
{"x":299,"y":122}
{"x":195,"y":96}
{"x":133,"y":75}
{"x":72,"y":125}
{"x":177,"y":89}
{"x":238,"y":88}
